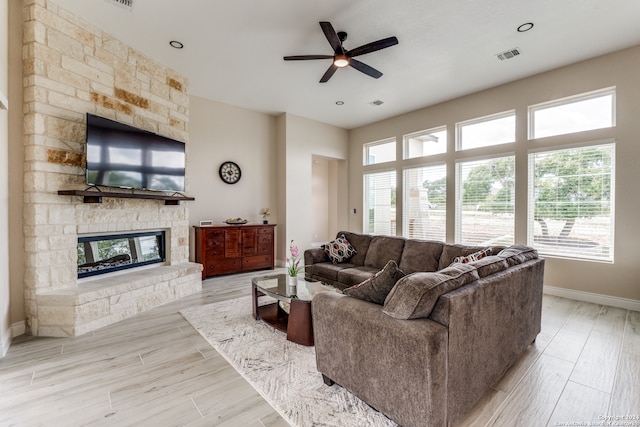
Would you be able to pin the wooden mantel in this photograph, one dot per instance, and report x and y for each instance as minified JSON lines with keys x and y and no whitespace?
{"x":95,"y":196}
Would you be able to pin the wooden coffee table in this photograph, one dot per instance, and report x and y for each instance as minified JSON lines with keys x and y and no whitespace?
{"x":297,"y":293}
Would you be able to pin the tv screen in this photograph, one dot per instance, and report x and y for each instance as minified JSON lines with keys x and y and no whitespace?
{"x":119,"y":155}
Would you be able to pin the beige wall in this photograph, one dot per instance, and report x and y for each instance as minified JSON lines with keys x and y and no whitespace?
{"x":276,"y":157}
{"x":16,"y":169}
{"x":303,"y":139}
{"x":616,"y":280}
{"x":321,"y":196}
{"x":5,"y":321}
{"x":221,"y":132}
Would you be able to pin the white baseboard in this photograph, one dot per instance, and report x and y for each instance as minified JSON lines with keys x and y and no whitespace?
{"x":18,"y":328}
{"x":629,"y":304}
{"x":4,"y":345}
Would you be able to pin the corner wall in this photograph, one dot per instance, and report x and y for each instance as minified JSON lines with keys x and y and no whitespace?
{"x":301,"y":140}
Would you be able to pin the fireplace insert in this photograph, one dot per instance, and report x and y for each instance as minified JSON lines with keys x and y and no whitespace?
{"x":105,"y":254}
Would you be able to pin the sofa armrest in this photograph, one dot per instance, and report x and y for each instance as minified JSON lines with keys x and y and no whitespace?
{"x":491,"y":322}
{"x":399,"y":367}
{"x":314,"y":256}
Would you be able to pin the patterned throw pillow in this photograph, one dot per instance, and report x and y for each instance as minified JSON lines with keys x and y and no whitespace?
{"x":476,"y":256}
{"x":339,"y":250}
{"x":376,"y":288}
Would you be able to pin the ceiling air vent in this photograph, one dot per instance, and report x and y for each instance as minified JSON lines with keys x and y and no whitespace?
{"x":511,"y":53}
{"x":127,"y":4}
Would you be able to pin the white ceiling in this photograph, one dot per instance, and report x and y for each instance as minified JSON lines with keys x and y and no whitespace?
{"x":233,"y":49}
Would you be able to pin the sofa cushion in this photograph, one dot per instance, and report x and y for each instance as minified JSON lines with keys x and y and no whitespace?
{"x":451,"y":251}
{"x":415,"y":295}
{"x":376,"y":288}
{"x":360,"y":242}
{"x":489,"y":265}
{"x":420,"y":255}
{"x":339,"y":250}
{"x":473,"y":257}
{"x":328,"y":270}
{"x":382,"y":249}
{"x":517,"y":254}
{"x":356,"y":274}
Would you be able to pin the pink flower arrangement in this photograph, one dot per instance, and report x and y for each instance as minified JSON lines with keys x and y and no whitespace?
{"x":293,"y":263}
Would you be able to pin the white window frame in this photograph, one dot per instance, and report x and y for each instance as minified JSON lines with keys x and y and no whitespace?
{"x":406,"y":225}
{"x":405,"y":140}
{"x":491,"y":117}
{"x":458,"y":198}
{"x":365,"y":202}
{"x":531,"y":201}
{"x":365,"y":150}
{"x":532,"y":109}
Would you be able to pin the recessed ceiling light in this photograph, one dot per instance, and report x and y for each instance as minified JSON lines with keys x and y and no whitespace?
{"x":176,"y":44}
{"x":377,"y":102}
{"x":525,"y":27}
{"x":339,"y":102}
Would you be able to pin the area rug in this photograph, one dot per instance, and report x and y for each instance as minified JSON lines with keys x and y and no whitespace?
{"x":282,"y":372}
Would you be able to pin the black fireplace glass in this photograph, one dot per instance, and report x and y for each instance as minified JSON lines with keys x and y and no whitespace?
{"x":104,"y":254}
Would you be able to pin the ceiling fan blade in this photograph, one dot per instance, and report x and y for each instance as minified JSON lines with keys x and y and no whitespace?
{"x":373,"y":46}
{"x":331,"y":36}
{"x":364,"y":68}
{"x":327,"y":75}
{"x":306,"y":57}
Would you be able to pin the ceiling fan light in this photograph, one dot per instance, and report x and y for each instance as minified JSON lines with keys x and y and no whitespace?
{"x":341,"y":61}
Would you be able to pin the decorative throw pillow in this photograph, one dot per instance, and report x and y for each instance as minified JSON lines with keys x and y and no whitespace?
{"x":489,"y":265}
{"x":476,"y":256}
{"x":517,"y":254}
{"x":376,"y":288}
{"x":339,"y":250}
{"x":415,"y":295}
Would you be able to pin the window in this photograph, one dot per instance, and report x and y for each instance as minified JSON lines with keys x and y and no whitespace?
{"x":425,"y":202}
{"x":486,"y":131}
{"x":380,"y":203}
{"x":485,"y":201}
{"x":571,"y":199}
{"x":579,"y":113}
{"x":425,"y":143}
{"x":380,"y":152}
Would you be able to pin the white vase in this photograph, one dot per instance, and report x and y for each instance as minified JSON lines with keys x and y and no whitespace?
{"x":292,"y":285}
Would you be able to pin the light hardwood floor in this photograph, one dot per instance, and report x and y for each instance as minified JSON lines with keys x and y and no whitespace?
{"x":155,"y":369}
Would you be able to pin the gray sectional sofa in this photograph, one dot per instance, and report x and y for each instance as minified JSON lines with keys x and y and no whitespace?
{"x":444,"y":334}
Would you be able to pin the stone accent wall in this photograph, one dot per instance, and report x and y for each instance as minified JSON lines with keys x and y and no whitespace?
{"x":71,"y":68}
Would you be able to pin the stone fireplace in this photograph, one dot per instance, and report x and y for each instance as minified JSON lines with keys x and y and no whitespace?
{"x":71,"y":68}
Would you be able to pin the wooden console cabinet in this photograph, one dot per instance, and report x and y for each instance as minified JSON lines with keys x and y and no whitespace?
{"x":226,"y":249}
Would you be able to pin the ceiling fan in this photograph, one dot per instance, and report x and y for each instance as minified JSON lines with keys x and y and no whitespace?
{"x":343,"y":57}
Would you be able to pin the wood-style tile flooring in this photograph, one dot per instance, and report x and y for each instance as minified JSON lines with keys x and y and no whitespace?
{"x":155,"y":370}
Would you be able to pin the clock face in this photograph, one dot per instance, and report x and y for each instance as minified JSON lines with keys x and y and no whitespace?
{"x":229,"y":172}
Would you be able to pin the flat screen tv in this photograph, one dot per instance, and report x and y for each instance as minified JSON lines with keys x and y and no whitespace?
{"x":119,"y":155}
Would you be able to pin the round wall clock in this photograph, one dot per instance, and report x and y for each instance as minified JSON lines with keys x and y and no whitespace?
{"x":230,"y":172}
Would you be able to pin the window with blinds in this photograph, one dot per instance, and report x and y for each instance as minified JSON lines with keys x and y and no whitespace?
{"x":380,"y":203}
{"x":571,"y":199}
{"x":485,"y":194}
{"x":425,"y":203}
